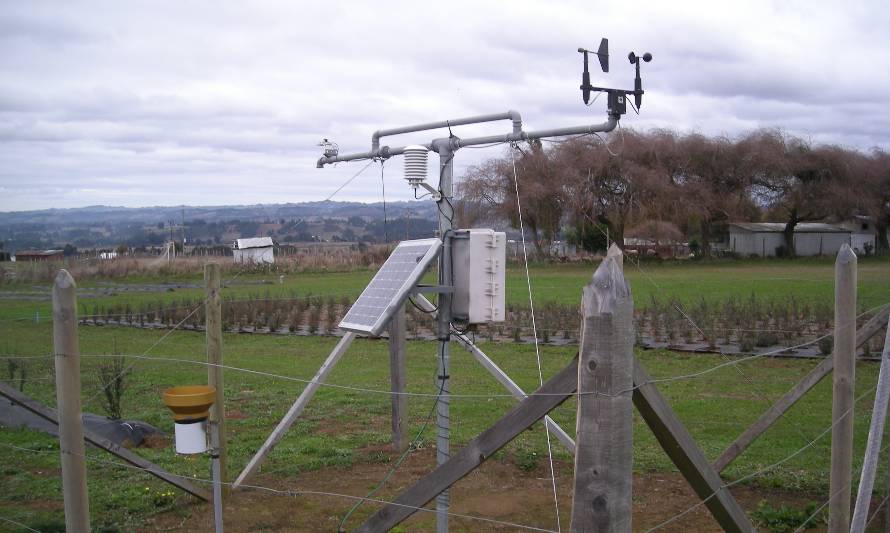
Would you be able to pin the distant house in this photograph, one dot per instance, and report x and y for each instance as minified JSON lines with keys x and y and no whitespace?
{"x":257,"y":250}
{"x":39,"y":255}
{"x":764,"y":239}
{"x":863,"y":234}
{"x":655,"y":238}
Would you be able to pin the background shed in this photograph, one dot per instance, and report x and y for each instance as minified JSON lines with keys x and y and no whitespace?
{"x":764,"y":238}
{"x":256,"y":250}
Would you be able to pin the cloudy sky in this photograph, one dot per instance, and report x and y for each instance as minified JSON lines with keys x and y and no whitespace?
{"x":209,"y":103}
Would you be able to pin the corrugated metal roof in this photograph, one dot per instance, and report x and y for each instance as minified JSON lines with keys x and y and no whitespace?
{"x":256,"y":242}
{"x":778,"y":227}
{"x":38,"y":252}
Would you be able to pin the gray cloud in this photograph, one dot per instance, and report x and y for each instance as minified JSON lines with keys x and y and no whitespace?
{"x":212,"y":103}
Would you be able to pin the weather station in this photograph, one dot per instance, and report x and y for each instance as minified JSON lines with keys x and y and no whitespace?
{"x":470,"y":262}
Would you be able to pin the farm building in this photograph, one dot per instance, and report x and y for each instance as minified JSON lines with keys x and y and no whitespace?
{"x":39,"y":255}
{"x":765,"y":238}
{"x":256,"y":250}
{"x":862,"y":234}
{"x":655,"y":238}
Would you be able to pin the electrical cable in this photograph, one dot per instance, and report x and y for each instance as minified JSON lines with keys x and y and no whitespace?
{"x":535,"y":333}
{"x":422,"y":310}
{"x":347,"y":182}
{"x":399,"y":461}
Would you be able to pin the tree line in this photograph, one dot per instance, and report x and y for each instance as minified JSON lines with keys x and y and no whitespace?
{"x":584,"y":188}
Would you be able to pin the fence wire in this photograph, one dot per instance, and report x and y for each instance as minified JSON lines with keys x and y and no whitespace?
{"x":482,"y":396}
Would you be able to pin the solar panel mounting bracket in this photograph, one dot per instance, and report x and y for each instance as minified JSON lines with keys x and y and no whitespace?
{"x":422,"y":289}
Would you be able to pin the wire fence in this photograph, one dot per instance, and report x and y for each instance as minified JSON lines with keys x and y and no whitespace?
{"x":178,"y":362}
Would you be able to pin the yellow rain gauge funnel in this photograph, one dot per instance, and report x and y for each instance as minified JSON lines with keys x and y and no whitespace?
{"x":191,"y":407}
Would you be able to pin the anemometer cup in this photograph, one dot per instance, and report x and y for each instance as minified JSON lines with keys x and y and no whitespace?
{"x":191,"y":407}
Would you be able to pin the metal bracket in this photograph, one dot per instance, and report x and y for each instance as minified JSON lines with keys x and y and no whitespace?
{"x":432,"y":190}
{"x":444,"y":289}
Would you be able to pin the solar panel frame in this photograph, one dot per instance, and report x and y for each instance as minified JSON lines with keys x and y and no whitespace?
{"x":390,"y":287}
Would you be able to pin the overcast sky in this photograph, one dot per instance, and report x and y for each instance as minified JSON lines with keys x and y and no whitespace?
{"x":209,"y":103}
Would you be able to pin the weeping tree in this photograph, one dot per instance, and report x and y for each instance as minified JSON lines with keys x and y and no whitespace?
{"x":489,"y":190}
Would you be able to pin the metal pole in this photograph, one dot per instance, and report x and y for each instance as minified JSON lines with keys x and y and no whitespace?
{"x":443,"y":420}
{"x":71,"y":445}
{"x":217,"y":476}
{"x":873,"y":447}
{"x":213,"y":335}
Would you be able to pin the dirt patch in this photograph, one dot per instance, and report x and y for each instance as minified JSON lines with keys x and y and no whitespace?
{"x":156,"y":442}
{"x":236,"y":415}
{"x":498,"y":491}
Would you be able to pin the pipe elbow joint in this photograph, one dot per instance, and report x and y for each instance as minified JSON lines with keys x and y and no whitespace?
{"x":517,"y":120}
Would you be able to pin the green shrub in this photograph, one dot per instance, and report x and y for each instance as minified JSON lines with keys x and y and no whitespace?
{"x":785,"y":519}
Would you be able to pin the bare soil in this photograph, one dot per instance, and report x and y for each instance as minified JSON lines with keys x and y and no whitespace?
{"x":498,"y":491}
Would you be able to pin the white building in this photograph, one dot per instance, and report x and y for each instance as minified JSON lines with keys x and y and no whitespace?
{"x":256,"y":250}
{"x":863,"y":234}
{"x":764,"y":238}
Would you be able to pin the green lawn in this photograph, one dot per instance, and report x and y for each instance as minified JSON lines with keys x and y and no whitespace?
{"x":345,"y":427}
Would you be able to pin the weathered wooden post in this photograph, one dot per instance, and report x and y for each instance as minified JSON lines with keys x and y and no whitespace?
{"x":67,"y":361}
{"x":604,"y":436}
{"x":213,"y":332}
{"x":844,"y":353}
{"x":873,"y":447}
{"x":397,"y":379}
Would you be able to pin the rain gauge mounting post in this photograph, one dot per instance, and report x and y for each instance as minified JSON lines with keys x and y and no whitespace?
{"x":474,"y":254}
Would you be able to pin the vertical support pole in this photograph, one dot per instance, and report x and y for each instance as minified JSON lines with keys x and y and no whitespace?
{"x":397,"y":377}
{"x":218,"y":480}
{"x":844,"y":353}
{"x":213,"y":331}
{"x":873,"y":447}
{"x":887,"y":504}
{"x":67,"y":362}
{"x":443,"y":408}
{"x":604,"y":436}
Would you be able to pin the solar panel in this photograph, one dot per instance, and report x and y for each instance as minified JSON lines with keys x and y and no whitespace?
{"x":390,"y":287}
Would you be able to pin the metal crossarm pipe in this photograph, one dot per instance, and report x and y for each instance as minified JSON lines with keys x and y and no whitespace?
{"x":516,"y":135}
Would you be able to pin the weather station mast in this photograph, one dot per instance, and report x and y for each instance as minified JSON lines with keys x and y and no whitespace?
{"x":459,"y":303}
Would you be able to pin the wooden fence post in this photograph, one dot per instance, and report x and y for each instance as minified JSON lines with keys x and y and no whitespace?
{"x":397,"y":380}
{"x":840,"y":486}
{"x":67,"y":362}
{"x":604,"y":436}
{"x":213,"y":331}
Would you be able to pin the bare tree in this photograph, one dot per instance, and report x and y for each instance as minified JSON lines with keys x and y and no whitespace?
{"x":875,"y":194}
{"x":715,"y":185}
{"x":795,"y":180}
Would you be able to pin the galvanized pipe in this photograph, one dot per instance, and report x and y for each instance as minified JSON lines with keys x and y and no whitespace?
{"x":446,"y":278}
{"x":508,"y":115}
{"x":386,"y":151}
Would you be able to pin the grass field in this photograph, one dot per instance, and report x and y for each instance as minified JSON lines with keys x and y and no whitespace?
{"x":342,"y":428}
